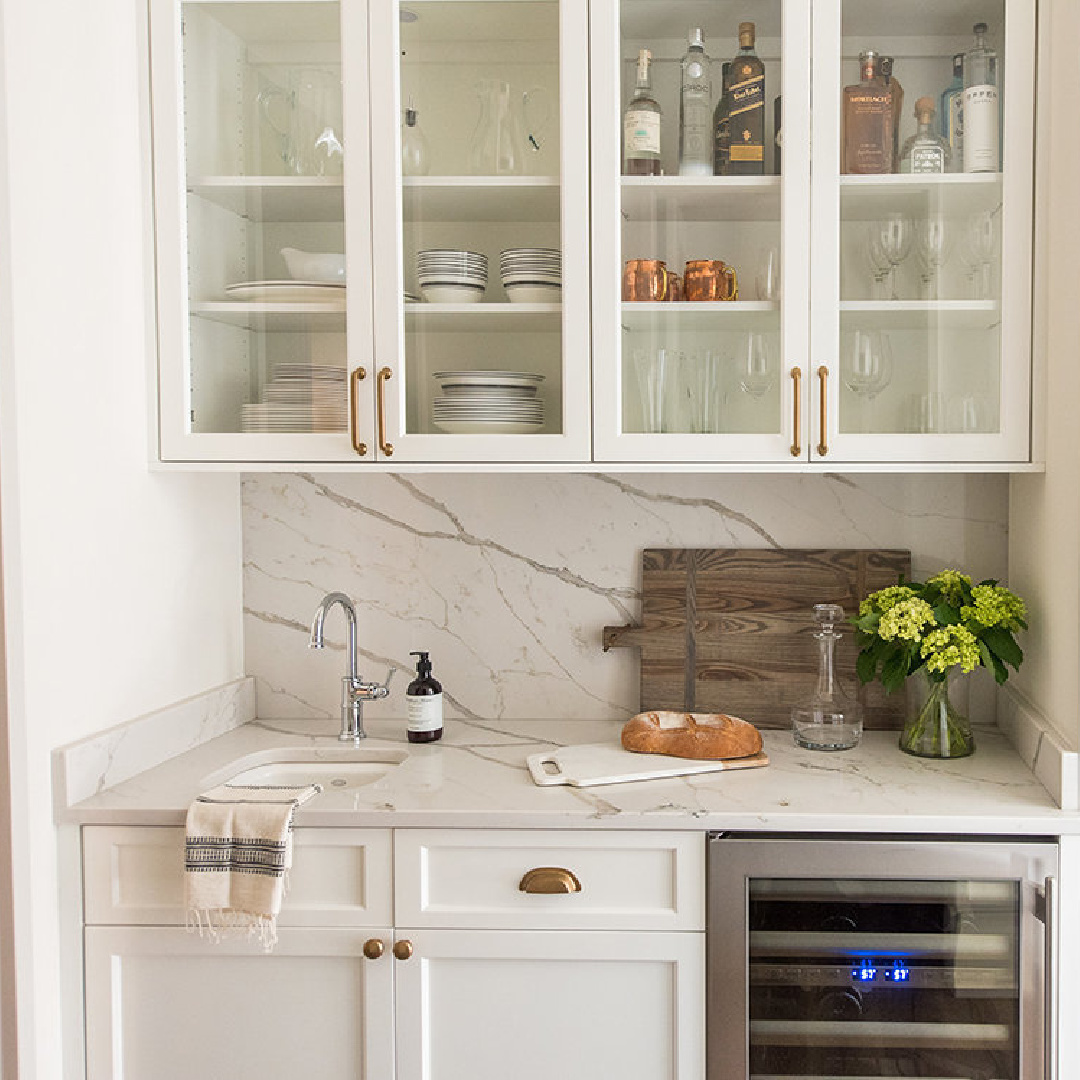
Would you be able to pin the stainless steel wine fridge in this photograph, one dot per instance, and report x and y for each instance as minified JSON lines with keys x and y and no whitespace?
{"x":835,"y":957}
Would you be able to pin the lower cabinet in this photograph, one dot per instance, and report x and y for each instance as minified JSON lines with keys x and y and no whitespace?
{"x":497,"y":960}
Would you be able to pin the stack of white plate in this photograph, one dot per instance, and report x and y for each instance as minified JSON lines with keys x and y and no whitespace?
{"x":449,"y":276}
{"x":488,"y":403}
{"x":299,"y":397}
{"x":532,"y":275}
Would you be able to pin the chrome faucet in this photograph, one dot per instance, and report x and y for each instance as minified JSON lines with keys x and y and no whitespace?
{"x":354,"y":691}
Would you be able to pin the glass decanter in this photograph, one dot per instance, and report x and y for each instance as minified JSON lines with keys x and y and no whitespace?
{"x":829,"y":720}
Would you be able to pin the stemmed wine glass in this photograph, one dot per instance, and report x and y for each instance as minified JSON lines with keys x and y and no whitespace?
{"x":933,"y":240}
{"x":978,"y":248}
{"x":880,"y":266}
{"x":892,"y":237}
{"x":866,"y":366}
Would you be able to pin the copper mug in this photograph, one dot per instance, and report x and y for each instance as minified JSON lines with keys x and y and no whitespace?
{"x":647,"y":280}
{"x":709,"y":279}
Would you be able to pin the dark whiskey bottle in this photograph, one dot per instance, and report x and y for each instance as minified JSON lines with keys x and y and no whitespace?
{"x":746,"y":153}
{"x":722,"y":125}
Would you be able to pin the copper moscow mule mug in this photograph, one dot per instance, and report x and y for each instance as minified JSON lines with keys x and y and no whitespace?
{"x":709,"y":279}
{"x":647,"y":280}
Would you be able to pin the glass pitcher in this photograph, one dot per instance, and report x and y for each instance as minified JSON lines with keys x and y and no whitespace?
{"x":499,"y":145}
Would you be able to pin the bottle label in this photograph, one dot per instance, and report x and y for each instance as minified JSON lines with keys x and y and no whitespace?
{"x":927,"y":159}
{"x":747,"y":119}
{"x":642,"y":132}
{"x":981,"y":129}
{"x":425,"y":713}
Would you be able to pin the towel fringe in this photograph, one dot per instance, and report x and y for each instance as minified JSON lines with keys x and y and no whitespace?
{"x":213,"y":924}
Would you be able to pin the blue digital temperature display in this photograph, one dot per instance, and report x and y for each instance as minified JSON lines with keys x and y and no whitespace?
{"x":869,"y":972}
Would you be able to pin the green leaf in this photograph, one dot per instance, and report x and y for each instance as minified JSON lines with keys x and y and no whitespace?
{"x":866,"y":667}
{"x":987,"y":656}
{"x":1001,"y":673}
{"x":946,"y":614}
{"x":1003,"y":645}
{"x":894,"y":671}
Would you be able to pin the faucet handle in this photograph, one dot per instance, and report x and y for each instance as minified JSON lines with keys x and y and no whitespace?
{"x":389,"y":675}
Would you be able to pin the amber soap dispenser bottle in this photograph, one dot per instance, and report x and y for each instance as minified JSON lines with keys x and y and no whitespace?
{"x":424,"y":700}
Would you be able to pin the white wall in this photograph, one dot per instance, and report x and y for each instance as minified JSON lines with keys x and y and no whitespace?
{"x":1044,"y":510}
{"x":121,"y":587}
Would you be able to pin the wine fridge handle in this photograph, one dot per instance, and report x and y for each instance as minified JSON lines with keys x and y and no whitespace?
{"x":1050,"y":980}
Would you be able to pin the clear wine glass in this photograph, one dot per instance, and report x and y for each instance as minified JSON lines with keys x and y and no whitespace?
{"x":866,"y":367}
{"x":768,"y":276}
{"x":880,"y":266}
{"x":757,"y":375}
{"x":895,"y":234}
{"x":933,"y":241}
{"x":978,"y":249}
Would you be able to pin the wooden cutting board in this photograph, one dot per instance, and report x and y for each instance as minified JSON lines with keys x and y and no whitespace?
{"x":731,"y":629}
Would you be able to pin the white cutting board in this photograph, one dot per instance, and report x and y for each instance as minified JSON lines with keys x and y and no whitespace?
{"x":609,"y":763}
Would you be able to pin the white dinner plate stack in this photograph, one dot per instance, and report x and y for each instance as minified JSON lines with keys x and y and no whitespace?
{"x":488,"y":403}
{"x":299,"y":397}
{"x":449,"y":276}
{"x":532,"y":275}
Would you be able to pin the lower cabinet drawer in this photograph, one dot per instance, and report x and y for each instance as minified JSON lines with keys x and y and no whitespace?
{"x":612,"y":880}
{"x":134,"y":875}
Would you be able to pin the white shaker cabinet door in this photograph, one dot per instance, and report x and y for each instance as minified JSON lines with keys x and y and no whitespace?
{"x":163,"y":1004}
{"x":534,"y":1005}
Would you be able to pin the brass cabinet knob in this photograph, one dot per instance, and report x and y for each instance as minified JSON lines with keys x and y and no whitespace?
{"x":373,"y":948}
{"x":550,"y":879}
{"x":403,"y":949}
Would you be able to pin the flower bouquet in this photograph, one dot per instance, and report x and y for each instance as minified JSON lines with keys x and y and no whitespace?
{"x":944,"y":627}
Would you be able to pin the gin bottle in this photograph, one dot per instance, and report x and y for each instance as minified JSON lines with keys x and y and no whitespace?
{"x":869,"y":122}
{"x":695,"y":111}
{"x":981,"y":116}
{"x":951,"y":116}
{"x":641,"y":125}
{"x":925,"y":151}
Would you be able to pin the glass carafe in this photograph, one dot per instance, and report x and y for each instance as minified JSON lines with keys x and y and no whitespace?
{"x":829,"y":720}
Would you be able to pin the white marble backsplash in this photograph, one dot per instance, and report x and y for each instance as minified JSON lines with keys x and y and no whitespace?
{"x":508,"y":580}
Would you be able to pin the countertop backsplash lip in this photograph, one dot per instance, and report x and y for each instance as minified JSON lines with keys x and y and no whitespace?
{"x":477,"y":778}
{"x":103,"y":760}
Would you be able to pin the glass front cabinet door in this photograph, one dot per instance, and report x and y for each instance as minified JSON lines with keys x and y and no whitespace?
{"x":362,"y":213}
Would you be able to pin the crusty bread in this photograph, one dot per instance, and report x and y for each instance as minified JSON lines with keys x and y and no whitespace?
{"x":705,"y":736}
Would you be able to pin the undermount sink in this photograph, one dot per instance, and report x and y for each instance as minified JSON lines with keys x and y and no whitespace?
{"x":338,"y":769}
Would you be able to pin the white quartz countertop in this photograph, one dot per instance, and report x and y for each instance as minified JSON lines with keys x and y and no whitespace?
{"x":476,"y":777}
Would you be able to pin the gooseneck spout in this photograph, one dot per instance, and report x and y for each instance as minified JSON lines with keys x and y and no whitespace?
{"x":354,"y":691}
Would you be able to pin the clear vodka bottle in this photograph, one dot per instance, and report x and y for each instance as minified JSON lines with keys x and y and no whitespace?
{"x":695,"y":111}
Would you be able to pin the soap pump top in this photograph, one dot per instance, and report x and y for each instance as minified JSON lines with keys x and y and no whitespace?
{"x":424,"y":700}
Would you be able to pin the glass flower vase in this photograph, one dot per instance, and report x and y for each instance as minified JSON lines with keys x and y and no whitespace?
{"x":937,"y":722}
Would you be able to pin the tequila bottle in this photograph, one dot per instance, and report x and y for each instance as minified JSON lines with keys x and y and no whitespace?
{"x":925,"y":151}
{"x":981,"y":116}
{"x":746,"y":79}
{"x":869,"y":123}
{"x":641,"y":125}
{"x":951,"y":116}
{"x":695,"y":111}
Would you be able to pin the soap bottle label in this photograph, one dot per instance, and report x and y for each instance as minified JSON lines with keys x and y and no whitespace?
{"x":425,"y":712}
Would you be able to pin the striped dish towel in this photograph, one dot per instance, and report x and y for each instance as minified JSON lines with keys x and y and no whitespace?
{"x":237,"y":855}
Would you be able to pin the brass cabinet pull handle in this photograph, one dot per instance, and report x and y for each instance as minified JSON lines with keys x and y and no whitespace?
{"x":550,"y":879}
{"x":823,"y":430}
{"x":403,"y":949}
{"x":796,"y":437}
{"x":387,"y":449}
{"x":373,"y":948}
{"x":358,"y":376}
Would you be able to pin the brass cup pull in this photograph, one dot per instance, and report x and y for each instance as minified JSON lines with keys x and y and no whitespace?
{"x":387,"y":449}
{"x":796,"y":432}
{"x":358,"y":376}
{"x":823,"y":419}
{"x":373,"y":948}
{"x":403,"y":949}
{"x":549,"y":879}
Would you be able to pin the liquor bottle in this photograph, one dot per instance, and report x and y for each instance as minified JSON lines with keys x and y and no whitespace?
{"x":695,"y":111}
{"x":926,"y":151}
{"x":868,"y":122}
{"x":981,"y":117}
{"x":951,"y":116}
{"x":884,"y":71}
{"x":746,"y":154}
{"x":641,"y":125}
{"x":722,"y":124}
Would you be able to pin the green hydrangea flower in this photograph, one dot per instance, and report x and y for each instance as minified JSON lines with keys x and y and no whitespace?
{"x":906,"y":620}
{"x":995,"y":606}
{"x":948,"y":646}
{"x":951,"y":583}
{"x":885,"y":599}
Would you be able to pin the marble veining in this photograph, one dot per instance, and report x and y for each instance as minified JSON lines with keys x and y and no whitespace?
{"x":508,"y":580}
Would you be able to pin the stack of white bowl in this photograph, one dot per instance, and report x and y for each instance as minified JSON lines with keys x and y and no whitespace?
{"x":300,"y":397}
{"x":532,"y":275}
{"x":488,"y":402}
{"x":450,"y":276}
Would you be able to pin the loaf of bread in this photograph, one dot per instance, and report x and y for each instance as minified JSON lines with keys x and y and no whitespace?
{"x":705,"y":736}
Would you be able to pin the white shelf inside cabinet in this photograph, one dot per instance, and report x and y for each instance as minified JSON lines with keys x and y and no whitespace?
{"x":481,"y":198}
{"x":289,"y":318}
{"x":692,"y":198}
{"x":470,"y":318}
{"x":899,"y":314}
{"x":275,"y":198}
{"x":706,"y":315}
{"x":865,"y":198}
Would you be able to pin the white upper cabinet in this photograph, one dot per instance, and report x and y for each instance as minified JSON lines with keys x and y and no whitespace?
{"x":460,"y":231}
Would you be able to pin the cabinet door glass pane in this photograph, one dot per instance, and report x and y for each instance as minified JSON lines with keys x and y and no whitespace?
{"x":265,"y":216}
{"x":701,"y":349}
{"x":921,"y":218}
{"x":884,"y":978}
{"x":481,"y":236}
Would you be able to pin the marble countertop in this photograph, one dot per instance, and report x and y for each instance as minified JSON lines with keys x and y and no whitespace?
{"x":476,"y":777}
